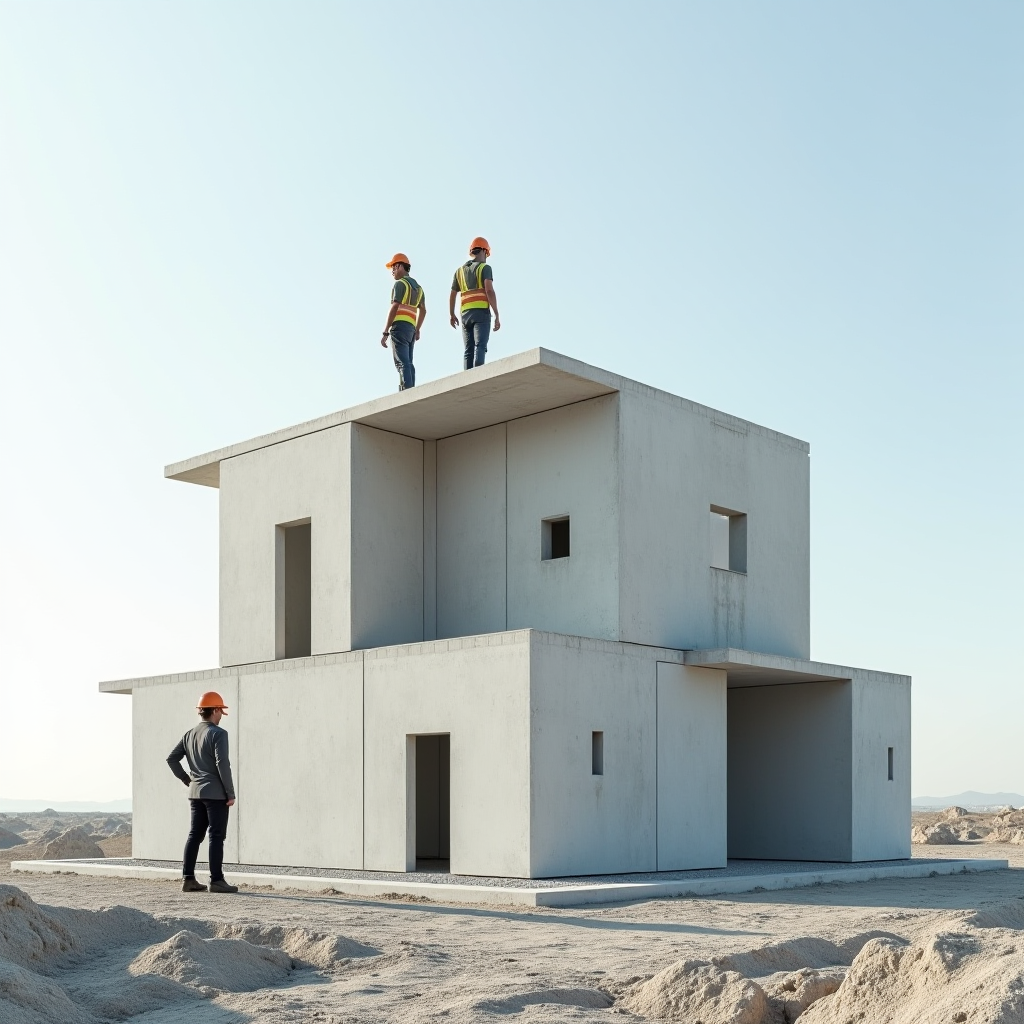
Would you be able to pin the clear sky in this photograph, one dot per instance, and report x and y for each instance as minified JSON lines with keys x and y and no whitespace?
{"x":807,"y":214}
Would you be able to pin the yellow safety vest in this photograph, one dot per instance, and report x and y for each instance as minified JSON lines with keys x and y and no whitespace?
{"x":472,"y":289}
{"x":407,"y":309}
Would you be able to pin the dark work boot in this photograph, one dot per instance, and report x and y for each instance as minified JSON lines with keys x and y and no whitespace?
{"x":191,"y":885}
{"x":222,"y":886}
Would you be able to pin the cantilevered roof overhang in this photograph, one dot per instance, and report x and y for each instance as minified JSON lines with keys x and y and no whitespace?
{"x":749,"y":668}
{"x":508,"y":389}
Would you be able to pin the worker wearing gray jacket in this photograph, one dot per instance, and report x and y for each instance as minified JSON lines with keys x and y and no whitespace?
{"x":211,"y":791}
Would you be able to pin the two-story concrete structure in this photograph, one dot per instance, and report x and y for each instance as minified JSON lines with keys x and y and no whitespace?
{"x":535,"y":619}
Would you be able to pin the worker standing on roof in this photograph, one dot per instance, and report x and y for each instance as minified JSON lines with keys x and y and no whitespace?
{"x":475,"y":281}
{"x":405,"y":319}
{"x":211,"y":791}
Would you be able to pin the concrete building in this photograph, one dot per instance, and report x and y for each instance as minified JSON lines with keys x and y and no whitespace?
{"x":535,"y":620}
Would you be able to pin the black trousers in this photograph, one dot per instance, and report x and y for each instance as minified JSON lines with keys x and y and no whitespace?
{"x":212,"y":816}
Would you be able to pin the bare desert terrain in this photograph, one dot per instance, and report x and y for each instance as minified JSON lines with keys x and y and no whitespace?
{"x":940,"y":950}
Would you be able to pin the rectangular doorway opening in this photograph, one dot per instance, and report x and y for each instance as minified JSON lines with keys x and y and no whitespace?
{"x":433,"y":802}
{"x":293,"y":590}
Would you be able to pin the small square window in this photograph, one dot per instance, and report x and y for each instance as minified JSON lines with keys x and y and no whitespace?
{"x":728,"y":539}
{"x":554,"y":538}
{"x":597,"y":753}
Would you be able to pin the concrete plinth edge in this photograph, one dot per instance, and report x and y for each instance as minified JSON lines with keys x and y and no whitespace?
{"x":553,"y":896}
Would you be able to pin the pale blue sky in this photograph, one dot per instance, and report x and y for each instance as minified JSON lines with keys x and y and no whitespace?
{"x":806,"y":214}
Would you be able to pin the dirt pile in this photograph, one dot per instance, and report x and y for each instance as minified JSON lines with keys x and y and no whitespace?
{"x":18,"y":825}
{"x":74,"y":842}
{"x":961,"y":825}
{"x":83,"y":966}
{"x":310,"y":949}
{"x":693,"y":990}
{"x":27,"y":998}
{"x":956,"y":976}
{"x":941,"y":834}
{"x":791,"y":994}
{"x":29,"y":937}
{"x":213,"y":965}
{"x":9,"y":839}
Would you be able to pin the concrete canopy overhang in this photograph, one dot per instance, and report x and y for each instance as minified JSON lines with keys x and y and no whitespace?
{"x":520,"y":385}
{"x":749,"y":668}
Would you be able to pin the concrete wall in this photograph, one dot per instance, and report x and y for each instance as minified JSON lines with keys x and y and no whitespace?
{"x":299,"y":762}
{"x":881,"y":809}
{"x":677,"y":460}
{"x":790,"y":784}
{"x":306,"y":478}
{"x":692,"y":763}
{"x":580,"y":822}
{"x":161,"y":715}
{"x":387,"y":539}
{"x":478,"y":693}
{"x":565,"y":462}
{"x":367,"y":553}
{"x":471,"y":533}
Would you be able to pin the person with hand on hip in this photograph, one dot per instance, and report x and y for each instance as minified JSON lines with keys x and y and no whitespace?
{"x":474,"y":281}
{"x":211,"y":791}
{"x":405,"y":319}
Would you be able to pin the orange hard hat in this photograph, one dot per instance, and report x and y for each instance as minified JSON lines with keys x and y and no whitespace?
{"x":212,"y":699}
{"x":399,"y":257}
{"x":480,"y":243}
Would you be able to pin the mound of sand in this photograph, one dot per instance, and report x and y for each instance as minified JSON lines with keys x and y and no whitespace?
{"x":15,"y":824}
{"x":947,"y":977}
{"x":796,"y":954}
{"x":1012,"y":835}
{"x":935,"y":835}
{"x":306,"y":948}
{"x":793,"y":993}
{"x":694,"y":990}
{"x":26,"y":998}
{"x":586,"y":998}
{"x":9,"y":839}
{"x":29,"y":937}
{"x":213,"y":965}
{"x":72,"y":843}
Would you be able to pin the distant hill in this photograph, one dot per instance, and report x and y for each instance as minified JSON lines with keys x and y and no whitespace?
{"x":969,"y":799}
{"x":19,"y":806}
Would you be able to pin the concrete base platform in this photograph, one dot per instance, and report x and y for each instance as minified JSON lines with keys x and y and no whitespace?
{"x":738,"y":877}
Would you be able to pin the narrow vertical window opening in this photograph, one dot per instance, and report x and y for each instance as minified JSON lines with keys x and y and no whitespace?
{"x":890,"y":763}
{"x":597,"y":753}
{"x":294,"y":590}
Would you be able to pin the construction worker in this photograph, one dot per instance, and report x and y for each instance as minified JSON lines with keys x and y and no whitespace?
{"x":474,"y":280}
{"x":210,"y":791}
{"x":405,"y":319}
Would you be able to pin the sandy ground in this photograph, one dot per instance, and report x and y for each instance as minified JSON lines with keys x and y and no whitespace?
{"x":420,"y":961}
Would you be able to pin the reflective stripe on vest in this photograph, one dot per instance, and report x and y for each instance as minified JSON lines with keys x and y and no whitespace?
{"x":407,"y":310}
{"x":473,"y":297}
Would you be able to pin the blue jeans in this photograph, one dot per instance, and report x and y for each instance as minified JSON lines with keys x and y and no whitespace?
{"x":402,"y":340}
{"x":212,"y":816}
{"x":476,"y":329}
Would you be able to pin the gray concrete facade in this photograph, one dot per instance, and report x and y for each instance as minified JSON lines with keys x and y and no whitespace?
{"x":593,"y":596}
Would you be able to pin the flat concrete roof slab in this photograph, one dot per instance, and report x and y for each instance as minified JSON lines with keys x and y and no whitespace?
{"x":743,"y":668}
{"x":507,"y":389}
{"x":738,"y":877}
